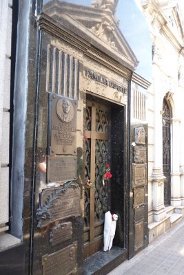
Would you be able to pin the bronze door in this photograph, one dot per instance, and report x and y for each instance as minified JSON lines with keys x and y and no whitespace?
{"x":138,"y":229}
{"x":97,"y":154}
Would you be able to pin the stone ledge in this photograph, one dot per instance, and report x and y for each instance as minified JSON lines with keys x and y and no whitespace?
{"x":158,"y":228}
{"x":175,"y":218}
{"x":102,"y":263}
{"x":7,"y":241}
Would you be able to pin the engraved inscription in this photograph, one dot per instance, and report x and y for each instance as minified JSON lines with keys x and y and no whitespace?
{"x":62,"y":168}
{"x":139,"y":174}
{"x":105,"y":81}
{"x":60,"y":262}
{"x":139,"y":235}
{"x":139,"y":154}
{"x":139,"y":213}
{"x":62,"y":125}
{"x":58,"y":203}
{"x":61,"y":232}
{"x":140,"y":135}
{"x":138,"y":196}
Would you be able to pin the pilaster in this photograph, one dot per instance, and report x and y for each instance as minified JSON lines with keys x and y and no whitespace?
{"x":158,"y":195}
{"x":175,"y":175}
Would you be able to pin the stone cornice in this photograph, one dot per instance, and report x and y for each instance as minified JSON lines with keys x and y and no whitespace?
{"x":49,"y":25}
{"x":164,"y":28}
{"x":136,"y":78}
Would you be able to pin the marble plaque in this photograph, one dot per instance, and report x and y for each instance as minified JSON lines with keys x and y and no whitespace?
{"x":139,"y":174}
{"x":139,"y":235}
{"x":62,"y":168}
{"x":61,"y":232}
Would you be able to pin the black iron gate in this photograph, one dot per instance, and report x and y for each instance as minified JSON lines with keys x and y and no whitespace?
{"x":166,"y":122}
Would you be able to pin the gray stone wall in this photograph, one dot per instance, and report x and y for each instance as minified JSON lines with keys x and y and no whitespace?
{"x":5,"y":70}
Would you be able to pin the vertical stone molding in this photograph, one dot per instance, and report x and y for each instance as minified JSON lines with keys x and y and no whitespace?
{"x":158,"y":195}
{"x":175,"y":175}
{"x":182,"y":184}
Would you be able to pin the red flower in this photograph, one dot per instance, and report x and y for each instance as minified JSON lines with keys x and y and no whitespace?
{"x":107,"y":175}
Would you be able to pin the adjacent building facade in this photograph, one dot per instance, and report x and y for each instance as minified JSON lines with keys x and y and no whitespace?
{"x":165,"y":115}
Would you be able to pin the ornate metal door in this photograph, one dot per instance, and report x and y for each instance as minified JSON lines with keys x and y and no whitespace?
{"x":138,"y":227}
{"x":166,"y":121}
{"x":97,"y":195}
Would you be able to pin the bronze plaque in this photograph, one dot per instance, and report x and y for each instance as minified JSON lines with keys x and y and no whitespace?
{"x":62,"y":168}
{"x":139,"y":235}
{"x":139,"y":213}
{"x":62,"y":125}
{"x":139,"y":174}
{"x":140,"y":154}
{"x":61,"y":232}
{"x":58,"y":203}
{"x":60,"y":262}
{"x":138,"y":196}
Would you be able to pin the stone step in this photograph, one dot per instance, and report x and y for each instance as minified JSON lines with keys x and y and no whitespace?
{"x":170,"y":210}
{"x":174,"y":218}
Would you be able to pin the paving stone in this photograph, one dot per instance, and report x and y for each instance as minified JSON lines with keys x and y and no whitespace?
{"x":164,"y":256}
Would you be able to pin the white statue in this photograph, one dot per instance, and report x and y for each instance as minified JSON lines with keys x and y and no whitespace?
{"x":109,"y":230}
{"x":106,"y":4}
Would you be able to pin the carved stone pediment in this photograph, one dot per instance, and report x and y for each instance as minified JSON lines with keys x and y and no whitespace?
{"x":97,"y":25}
{"x":109,"y":5}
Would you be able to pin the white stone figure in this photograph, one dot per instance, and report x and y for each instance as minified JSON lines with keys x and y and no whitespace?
{"x":109,"y":230}
{"x":109,"y":5}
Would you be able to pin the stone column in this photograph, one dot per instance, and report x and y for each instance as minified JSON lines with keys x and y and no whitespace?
{"x":157,"y":173}
{"x":182,"y":162}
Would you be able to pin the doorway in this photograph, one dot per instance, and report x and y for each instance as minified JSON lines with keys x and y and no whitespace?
{"x":166,"y":130}
{"x":105,"y":143}
{"x":97,"y":155}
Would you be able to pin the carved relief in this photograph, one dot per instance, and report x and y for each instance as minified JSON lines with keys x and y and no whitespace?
{"x":138,"y":196}
{"x":109,"y":5}
{"x":58,"y":203}
{"x":139,"y":154}
{"x":104,"y":31}
{"x":140,"y":135}
{"x":65,"y":110}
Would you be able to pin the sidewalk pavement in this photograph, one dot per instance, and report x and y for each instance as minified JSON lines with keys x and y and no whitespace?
{"x":164,"y":256}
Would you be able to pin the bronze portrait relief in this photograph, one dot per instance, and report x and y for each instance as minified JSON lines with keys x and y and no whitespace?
{"x":65,"y":110}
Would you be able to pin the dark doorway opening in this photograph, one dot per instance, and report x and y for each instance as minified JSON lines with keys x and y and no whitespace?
{"x":166,"y":130}
{"x":105,"y":133}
